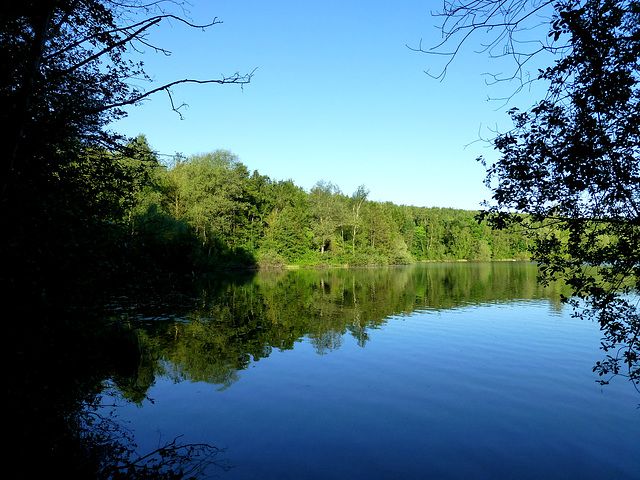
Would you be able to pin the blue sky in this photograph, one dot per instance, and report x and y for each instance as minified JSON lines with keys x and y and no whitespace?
{"x":337,"y":96}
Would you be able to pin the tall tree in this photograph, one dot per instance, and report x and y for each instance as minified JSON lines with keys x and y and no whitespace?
{"x":357,"y":200}
{"x":287,"y":233}
{"x":324,"y":208}
{"x":572,"y":161}
{"x":66,"y":74}
{"x":213,"y":194}
{"x":65,"y":187}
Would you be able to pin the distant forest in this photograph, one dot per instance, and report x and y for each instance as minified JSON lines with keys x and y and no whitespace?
{"x":208,"y":211}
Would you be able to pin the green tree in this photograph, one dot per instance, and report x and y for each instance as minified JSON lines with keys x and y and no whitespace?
{"x":324,"y":210}
{"x":218,"y":182}
{"x":288,"y":231}
{"x":209,"y":192}
{"x":419,"y":242}
{"x":357,"y":200}
{"x":257,"y":195}
{"x":384,"y":234}
{"x":405,"y":223}
{"x":571,"y":162}
{"x":433,"y":223}
{"x":146,"y":174}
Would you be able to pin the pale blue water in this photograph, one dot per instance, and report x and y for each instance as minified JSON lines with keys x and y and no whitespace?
{"x":486,"y":391}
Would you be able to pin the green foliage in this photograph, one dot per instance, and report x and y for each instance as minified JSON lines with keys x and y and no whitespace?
{"x":252,"y":220}
{"x":270,"y":259}
{"x":208,"y":192}
{"x":327,"y":212}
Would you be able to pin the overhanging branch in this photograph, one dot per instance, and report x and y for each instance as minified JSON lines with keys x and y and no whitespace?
{"x":236,"y":79}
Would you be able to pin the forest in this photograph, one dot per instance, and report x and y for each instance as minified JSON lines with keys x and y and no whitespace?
{"x":208,"y":211}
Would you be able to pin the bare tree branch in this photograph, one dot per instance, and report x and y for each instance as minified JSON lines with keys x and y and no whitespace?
{"x":506,"y":25}
{"x":237,"y":79}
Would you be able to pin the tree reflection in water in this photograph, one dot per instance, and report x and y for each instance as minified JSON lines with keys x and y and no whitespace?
{"x":238,"y":319}
{"x":241,"y":318}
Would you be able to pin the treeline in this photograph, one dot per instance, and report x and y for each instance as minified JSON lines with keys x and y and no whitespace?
{"x":208,"y":211}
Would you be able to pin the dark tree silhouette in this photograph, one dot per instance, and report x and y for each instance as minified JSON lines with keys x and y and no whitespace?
{"x":571,"y":163}
{"x":68,"y":69}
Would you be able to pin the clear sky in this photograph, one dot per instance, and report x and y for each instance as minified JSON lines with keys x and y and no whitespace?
{"x":337,"y":95}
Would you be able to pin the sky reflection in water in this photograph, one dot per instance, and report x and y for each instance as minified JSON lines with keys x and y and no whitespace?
{"x":495,"y":385}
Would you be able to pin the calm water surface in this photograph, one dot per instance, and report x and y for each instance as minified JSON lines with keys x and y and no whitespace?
{"x":443,"y":371}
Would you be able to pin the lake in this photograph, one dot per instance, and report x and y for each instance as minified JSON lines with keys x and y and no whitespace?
{"x":430,"y":371}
